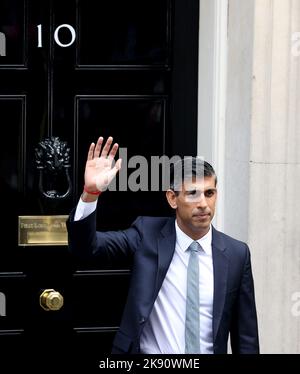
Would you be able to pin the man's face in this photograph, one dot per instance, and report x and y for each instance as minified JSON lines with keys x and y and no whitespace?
{"x":195,"y":205}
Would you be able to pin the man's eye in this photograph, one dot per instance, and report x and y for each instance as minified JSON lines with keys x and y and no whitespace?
{"x":193,"y":192}
{"x":209,"y":193}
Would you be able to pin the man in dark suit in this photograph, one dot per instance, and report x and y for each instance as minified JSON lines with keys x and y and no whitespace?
{"x":191,"y":285}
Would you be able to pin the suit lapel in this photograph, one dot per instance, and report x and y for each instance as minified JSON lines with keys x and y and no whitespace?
{"x":165,"y":247}
{"x":220,"y":268}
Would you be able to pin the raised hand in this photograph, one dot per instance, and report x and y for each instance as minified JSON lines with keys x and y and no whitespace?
{"x":99,"y":169}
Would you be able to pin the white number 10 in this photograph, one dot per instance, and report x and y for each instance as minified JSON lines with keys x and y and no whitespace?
{"x":56,"y":38}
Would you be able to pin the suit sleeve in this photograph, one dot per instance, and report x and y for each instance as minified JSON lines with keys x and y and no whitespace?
{"x":244,"y":330}
{"x":85,"y":242}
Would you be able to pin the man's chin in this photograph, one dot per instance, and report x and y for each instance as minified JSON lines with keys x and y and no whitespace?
{"x":202,"y":226}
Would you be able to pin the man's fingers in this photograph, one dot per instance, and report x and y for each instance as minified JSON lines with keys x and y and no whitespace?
{"x":95,"y":151}
{"x":113,"y":151}
{"x":98,"y":147}
{"x":91,"y":152}
{"x":107,"y":147}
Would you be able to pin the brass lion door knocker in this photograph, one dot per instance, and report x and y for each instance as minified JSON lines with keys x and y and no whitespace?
{"x":52,"y":158}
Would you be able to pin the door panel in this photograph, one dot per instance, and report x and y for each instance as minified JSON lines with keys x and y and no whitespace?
{"x":13,"y":20}
{"x":130,"y":73}
{"x":13,"y":161}
{"x":90,"y":311}
{"x":128,"y":34}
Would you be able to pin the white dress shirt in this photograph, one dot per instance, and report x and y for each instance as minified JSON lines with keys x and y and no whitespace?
{"x":164,"y":330}
{"x":84,"y":209}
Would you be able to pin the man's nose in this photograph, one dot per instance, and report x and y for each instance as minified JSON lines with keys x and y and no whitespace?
{"x":201,"y":201}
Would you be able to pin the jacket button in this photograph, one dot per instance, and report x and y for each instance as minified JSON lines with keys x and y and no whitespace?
{"x":142,"y":320}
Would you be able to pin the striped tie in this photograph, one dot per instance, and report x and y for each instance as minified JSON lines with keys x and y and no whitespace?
{"x":192,"y":323}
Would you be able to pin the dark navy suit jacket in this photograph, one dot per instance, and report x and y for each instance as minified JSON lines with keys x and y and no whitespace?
{"x":150,"y":242}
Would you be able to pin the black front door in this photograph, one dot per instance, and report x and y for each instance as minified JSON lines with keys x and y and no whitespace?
{"x":69,"y":72}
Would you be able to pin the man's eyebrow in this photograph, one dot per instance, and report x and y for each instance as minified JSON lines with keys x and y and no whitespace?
{"x":191,"y":189}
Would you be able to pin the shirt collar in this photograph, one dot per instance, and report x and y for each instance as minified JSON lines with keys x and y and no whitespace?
{"x":184,"y":241}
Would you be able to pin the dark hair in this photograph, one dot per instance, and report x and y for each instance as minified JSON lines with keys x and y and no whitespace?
{"x":187,"y":168}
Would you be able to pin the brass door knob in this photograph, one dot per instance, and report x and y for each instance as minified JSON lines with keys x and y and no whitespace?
{"x":51,"y":300}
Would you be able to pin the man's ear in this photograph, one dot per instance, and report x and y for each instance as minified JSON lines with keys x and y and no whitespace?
{"x":172,"y":198}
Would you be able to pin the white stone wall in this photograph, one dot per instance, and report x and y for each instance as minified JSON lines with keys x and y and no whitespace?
{"x":262,"y":162}
{"x":274,"y":205}
{"x":238,"y":117}
{"x":256,"y":148}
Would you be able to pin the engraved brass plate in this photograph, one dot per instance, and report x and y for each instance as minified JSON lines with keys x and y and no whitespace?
{"x":42,"y":230}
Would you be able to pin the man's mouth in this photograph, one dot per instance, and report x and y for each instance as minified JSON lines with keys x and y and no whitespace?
{"x":201,"y":215}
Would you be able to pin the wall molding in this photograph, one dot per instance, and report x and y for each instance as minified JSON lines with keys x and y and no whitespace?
{"x":212,"y":92}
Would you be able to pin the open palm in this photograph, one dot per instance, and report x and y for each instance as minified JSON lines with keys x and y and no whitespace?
{"x":99,"y":168}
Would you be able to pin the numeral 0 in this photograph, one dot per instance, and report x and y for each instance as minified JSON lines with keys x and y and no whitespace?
{"x":56,"y":38}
